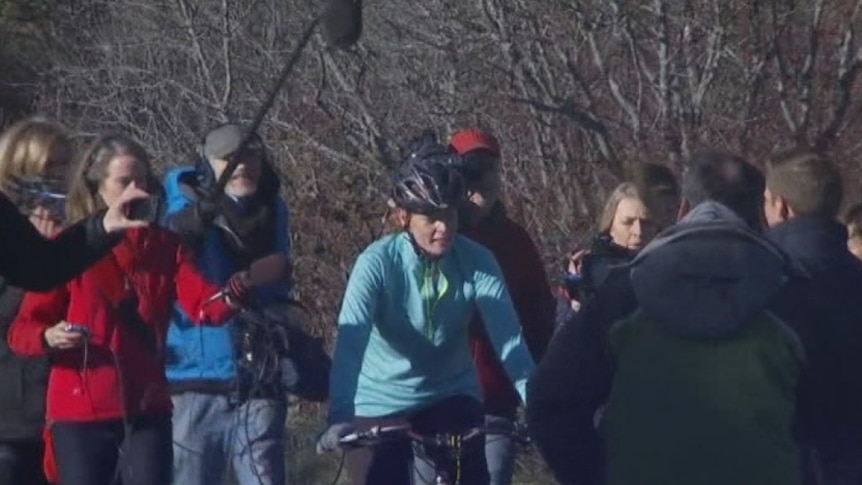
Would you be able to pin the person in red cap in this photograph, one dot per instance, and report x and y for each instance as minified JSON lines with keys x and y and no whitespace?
{"x":485,"y":221}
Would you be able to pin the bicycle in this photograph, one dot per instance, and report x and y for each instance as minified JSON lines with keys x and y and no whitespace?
{"x":443,"y":451}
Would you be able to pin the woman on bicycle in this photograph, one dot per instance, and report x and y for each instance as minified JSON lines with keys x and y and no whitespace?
{"x":108,"y":406}
{"x":402,"y":354}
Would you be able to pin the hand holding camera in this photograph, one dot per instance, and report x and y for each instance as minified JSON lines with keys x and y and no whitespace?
{"x":119,"y":215}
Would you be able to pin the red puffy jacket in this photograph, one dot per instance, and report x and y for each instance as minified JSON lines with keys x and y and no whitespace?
{"x":117,"y":374}
{"x":531,"y":294}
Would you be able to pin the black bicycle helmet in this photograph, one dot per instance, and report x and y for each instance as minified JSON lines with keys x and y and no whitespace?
{"x":428,"y":180}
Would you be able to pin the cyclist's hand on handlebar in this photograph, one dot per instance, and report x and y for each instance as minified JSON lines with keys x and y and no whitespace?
{"x":328,"y":441}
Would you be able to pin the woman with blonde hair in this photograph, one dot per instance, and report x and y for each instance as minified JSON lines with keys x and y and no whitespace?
{"x":38,"y":151}
{"x":30,"y":259}
{"x":108,"y":405}
{"x":626,"y":218}
{"x":624,"y":227}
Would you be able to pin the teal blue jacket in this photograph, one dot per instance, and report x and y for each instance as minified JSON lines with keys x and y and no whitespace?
{"x":403,"y":329}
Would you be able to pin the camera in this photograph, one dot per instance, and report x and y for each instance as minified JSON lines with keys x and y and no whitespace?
{"x":146,"y":209}
{"x":603,"y":256}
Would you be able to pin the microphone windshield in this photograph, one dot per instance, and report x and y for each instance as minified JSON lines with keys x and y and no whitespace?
{"x":342,"y":22}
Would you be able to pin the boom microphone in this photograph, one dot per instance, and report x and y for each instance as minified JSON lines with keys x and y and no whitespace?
{"x":342,"y":26}
{"x":342,"y":22}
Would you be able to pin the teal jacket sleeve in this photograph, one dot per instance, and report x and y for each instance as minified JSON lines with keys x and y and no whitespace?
{"x":358,"y":312}
{"x":501,"y":321}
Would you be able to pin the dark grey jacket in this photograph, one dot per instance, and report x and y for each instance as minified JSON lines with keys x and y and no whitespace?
{"x":22,"y":380}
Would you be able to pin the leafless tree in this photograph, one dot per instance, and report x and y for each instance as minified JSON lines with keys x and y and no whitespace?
{"x":577,"y":92}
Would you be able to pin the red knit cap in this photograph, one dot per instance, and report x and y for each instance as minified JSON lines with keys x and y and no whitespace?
{"x":464,"y":141}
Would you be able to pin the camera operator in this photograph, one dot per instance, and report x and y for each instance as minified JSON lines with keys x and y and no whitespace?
{"x":228,"y":414}
{"x":625,"y":226}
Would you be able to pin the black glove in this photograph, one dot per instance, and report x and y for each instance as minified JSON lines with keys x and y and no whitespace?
{"x":238,"y":286}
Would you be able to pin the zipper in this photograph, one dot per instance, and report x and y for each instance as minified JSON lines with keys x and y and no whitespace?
{"x":434,"y":289}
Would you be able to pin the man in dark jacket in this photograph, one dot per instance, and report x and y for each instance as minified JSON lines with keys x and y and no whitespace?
{"x":485,"y":221}
{"x":801,"y":203}
{"x":686,"y":366}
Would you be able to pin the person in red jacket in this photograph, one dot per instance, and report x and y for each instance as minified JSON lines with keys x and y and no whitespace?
{"x":108,"y":408}
{"x":485,"y":221}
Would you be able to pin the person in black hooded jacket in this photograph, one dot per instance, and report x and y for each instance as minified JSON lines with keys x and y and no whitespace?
{"x":37,"y":150}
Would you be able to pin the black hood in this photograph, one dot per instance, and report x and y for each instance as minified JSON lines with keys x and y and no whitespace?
{"x":815,"y":244}
{"x":708,"y":274}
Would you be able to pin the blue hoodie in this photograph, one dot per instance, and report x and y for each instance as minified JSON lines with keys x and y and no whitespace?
{"x":402,"y":331}
{"x":204,"y":357}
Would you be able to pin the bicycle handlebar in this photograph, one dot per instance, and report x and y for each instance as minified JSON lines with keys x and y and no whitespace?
{"x":378,"y":434}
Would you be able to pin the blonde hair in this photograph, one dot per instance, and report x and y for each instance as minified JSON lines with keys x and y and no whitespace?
{"x":92,"y":169}
{"x":625,"y":190}
{"x":27,"y":146}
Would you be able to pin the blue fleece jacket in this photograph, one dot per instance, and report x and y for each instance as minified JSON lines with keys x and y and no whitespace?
{"x":403,"y":329}
{"x":206,"y":354}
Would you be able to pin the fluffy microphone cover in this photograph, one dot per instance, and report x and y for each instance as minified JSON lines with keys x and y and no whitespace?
{"x":269,"y":270}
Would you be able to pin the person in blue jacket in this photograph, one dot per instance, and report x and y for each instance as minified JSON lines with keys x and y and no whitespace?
{"x":402,"y":354}
{"x":220,"y":415}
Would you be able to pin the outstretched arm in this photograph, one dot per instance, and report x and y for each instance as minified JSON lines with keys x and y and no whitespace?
{"x":32,"y":262}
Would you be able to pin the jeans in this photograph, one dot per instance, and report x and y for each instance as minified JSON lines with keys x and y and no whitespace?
{"x":21,"y":462}
{"x":95,"y":451}
{"x":500,"y":451}
{"x":211,"y":432}
{"x":400,"y":463}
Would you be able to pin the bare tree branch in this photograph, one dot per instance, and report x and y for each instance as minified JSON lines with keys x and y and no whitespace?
{"x":849,"y":64}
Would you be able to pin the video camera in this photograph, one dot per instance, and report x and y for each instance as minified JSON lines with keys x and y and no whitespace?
{"x":32,"y":192}
{"x":603,"y":255}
